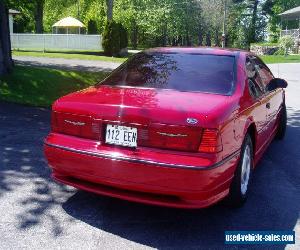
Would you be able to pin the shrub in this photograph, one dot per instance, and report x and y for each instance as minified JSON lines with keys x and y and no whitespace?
{"x":114,"y":38}
{"x":280,"y":52}
{"x":123,"y":37}
{"x":92,"y":27}
{"x":286,"y":43}
{"x":107,"y":38}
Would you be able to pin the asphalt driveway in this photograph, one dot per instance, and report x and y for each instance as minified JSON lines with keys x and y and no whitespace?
{"x":36,"y":212}
{"x":68,"y":64}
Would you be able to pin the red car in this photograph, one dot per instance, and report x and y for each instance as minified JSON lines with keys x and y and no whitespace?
{"x":177,"y":127}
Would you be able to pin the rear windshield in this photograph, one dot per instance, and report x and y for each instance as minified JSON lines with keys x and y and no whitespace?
{"x":178,"y":71}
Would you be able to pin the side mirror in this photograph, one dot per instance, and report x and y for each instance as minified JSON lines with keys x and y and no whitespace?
{"x":276,"y":83}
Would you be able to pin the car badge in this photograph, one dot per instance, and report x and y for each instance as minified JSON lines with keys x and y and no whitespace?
{"x":191,"y":120}
{"x":75,"y":123}
{"x":171,"y":135}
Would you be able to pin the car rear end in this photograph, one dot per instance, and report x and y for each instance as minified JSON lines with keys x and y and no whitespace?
{"x":140,"y":137}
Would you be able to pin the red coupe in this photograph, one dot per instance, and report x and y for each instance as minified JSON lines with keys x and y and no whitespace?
{"x":178,"y":127}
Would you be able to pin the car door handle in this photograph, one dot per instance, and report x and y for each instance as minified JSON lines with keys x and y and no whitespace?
{"x":268,"y":105}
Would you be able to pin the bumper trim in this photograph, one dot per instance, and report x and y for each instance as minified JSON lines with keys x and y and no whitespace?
{"x":162,"y":164}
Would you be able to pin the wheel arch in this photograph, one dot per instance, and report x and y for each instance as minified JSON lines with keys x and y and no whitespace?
{"x":251,"y":130}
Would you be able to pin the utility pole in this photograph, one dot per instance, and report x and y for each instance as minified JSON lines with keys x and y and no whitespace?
{"x":224,"y":25}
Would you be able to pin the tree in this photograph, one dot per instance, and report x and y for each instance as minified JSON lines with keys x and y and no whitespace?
{"x":163,"y":22}
{"x":246,"y":23}
{"x":38,"y":16}
{"x":253,"y":21}
{"x":110,"y":6}
{"x":6,"y":62}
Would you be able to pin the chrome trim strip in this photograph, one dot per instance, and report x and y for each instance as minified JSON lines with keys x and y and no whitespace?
{"x":162,"y":164}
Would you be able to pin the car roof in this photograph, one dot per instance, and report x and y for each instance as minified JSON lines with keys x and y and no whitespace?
{"x":198,"y":50}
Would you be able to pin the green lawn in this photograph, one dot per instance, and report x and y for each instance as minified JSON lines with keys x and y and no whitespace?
{"x":41,"y":86}
{"x":281,"y":59}
{"x":85,"y":55}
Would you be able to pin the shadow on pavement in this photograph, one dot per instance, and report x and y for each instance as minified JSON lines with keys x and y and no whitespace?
{"x":78,"y":52}
{"x":24,"y":175}
{"x":65,"y":66}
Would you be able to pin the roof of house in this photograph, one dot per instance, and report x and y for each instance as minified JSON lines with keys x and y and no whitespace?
{"x":291,"y":14}
{"x":68,"y":22}
{"x":13,"y":12}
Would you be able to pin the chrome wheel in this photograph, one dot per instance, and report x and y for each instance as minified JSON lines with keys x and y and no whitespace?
{"x":246,"y":168}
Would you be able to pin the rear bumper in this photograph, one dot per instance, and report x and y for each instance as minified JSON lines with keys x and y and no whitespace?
{"x":138,"y":179}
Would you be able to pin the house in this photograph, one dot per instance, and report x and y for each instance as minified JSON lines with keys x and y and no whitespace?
{"x":289,"y":17}
{"x":11,"y":14}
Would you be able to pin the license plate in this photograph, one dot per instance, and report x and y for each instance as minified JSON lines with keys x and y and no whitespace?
{"x":121,"y":135}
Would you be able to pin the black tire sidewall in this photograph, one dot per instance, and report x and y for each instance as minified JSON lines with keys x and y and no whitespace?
{"x":235,"y":196}
{"x":282,"y":123}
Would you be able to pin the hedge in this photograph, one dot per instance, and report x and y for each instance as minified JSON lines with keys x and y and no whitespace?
{"x":114,"y":38}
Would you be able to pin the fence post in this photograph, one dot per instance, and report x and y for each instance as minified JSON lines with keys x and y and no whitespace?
{"x":43,"y":43}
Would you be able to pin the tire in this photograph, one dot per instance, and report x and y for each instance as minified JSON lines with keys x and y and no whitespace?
{"x":282,"y":124}
{"x":240,"y":184}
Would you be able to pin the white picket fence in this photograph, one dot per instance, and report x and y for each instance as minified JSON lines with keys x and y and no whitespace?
{"x":55,"y":42}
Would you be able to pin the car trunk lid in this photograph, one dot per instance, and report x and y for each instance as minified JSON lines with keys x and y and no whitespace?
{"x":166,"y":119}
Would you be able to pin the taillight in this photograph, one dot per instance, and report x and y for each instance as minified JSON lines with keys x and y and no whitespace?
{"x":77,"y":125}
{"x":170,"y":137}
{"x":54,"y":125}
{"x":211,"y":141}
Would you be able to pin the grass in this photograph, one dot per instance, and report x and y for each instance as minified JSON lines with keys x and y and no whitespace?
{"x":280,"y":59}
{"x":84,"y":55}
{"x":42,"y":86}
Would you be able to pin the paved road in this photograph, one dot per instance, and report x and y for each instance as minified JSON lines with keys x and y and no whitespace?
{"x":62,"y":63}
{"x":37,"y":213}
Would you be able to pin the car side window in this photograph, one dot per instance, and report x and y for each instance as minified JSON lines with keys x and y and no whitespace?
{"x":264,"y":72}
{"x":254,"y":82}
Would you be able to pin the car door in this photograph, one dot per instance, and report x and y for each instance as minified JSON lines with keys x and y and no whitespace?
{"x":259,"y":110}
{"x":274,"y":97}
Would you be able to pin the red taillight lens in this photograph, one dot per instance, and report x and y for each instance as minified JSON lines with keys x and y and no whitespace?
{"x":54,"y":126}
{"x":170,"y":137}
{"x":210,"y":141}
{"x":77,"y":125}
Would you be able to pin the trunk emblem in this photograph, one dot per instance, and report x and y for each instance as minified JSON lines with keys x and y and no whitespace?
{"x":75,"y":123}
{"x":171,"y":135}
{"x":191,"y":120}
